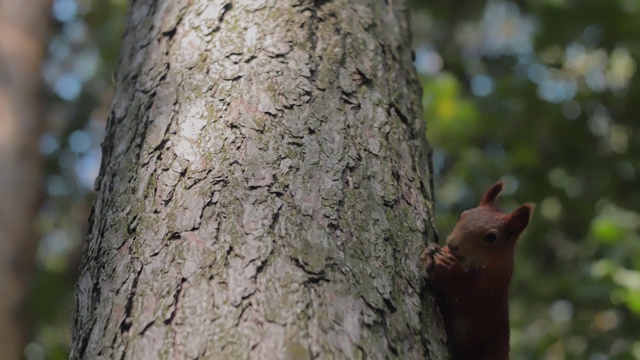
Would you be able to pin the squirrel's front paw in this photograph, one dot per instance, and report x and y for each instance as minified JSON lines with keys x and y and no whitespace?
{"x":428,"y":257}
{"x":436,"y":258}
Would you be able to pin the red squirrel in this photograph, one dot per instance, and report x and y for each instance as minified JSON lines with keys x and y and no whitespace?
{"x":471,"y":275}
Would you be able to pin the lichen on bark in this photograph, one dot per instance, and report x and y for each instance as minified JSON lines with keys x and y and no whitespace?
{"x":265,"y":189}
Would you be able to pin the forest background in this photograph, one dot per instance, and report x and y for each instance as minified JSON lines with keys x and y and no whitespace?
{"x":543,"y":94}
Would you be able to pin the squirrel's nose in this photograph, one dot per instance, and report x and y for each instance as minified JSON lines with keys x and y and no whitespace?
{"x":453,"y":248}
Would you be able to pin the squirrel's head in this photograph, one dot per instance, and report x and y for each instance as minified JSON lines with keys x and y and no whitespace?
{"x":484,"y":237}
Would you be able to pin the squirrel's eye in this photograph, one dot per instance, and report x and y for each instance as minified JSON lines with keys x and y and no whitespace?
{"x":490,"y":238}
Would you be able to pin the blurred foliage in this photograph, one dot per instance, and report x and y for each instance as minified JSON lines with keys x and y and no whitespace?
{"x":543,"y":94}
{"x":82,"y":52}
{"x":539,"y":93}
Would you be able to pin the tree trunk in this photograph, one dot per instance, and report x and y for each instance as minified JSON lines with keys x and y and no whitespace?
{"x":23,"y":34}
{"x":265,"y":189}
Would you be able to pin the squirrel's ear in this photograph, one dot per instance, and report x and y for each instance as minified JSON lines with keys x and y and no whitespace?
{"x":490,"y":196}
{"x":518,"y":220}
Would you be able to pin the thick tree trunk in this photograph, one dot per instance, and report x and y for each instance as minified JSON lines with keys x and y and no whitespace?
{"x":265,"y":190}
{"x":22,"y":42}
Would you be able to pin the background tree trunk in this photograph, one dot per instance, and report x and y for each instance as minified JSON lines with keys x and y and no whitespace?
{"x":265,"y":190}
{"x":23,"y":36}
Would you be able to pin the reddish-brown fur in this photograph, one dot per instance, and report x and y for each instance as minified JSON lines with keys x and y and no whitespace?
{"x":472,"y":274}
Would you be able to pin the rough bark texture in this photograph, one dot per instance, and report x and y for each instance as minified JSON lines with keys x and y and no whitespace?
{"x":22,"y":42}
{"x":265,"y":190}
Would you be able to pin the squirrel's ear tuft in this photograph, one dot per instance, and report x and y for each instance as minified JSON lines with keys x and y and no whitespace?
{"x":517,"y":221}
{"x":490,"y":196}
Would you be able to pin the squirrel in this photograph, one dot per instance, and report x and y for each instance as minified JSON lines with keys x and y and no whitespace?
{"x":471,"y":276}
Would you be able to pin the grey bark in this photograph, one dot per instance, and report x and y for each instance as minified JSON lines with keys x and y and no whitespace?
{"x":265,"y":189}
{"x":23,"y":34}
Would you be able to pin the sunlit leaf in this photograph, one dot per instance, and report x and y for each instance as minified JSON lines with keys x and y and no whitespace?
{"x":607,"y":230}
{"x":452,"y":118}
{"x":632,"y":301}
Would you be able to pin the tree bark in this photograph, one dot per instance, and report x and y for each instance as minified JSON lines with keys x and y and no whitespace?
{"x":23,"y":35}
{"x":265,"y":190}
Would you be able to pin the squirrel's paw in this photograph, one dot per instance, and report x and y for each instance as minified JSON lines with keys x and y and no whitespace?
{"x":428,"y":256}
{"x":436,"y":258}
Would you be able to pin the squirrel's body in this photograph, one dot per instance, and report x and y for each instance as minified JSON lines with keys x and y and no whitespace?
{"x":472,"y":274}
